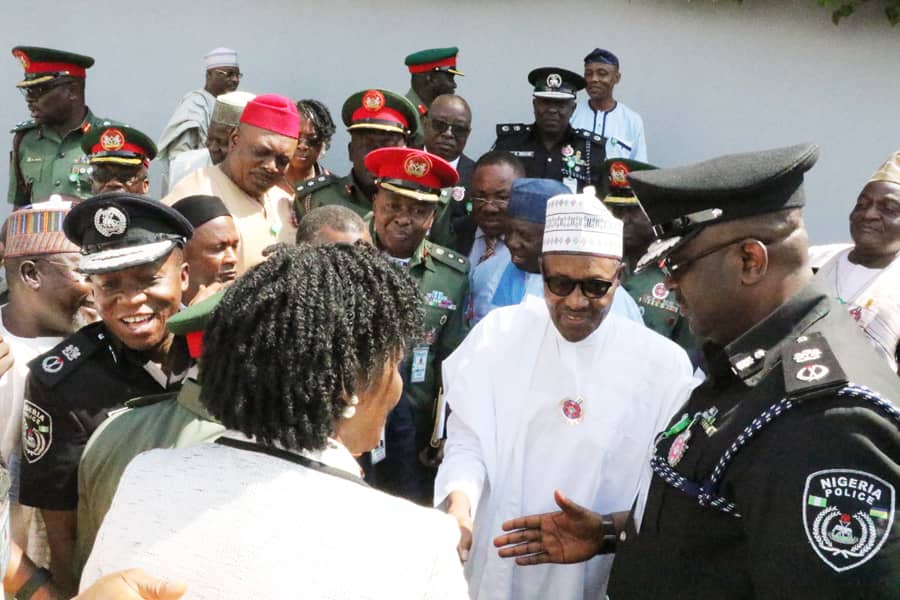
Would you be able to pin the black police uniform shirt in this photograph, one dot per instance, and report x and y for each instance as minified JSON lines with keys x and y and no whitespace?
{"x":815,"y":487}
{"x":71,"y":390}
{"x":576,"y":160}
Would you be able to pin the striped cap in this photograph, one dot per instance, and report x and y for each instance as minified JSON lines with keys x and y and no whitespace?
{"x":37,"y":230}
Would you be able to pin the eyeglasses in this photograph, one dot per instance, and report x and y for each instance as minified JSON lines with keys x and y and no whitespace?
{"x":36,"y":91}
{"x":500,"y":202}
{"x":562,"y":286}
{"x":228,"y":74}
{"x":102,"y":174}
{"x":442,"y":126}
{"x":673,"y":269}
{"x":311,"y":142}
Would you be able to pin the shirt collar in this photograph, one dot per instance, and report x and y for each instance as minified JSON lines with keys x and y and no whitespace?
{"x":334,"y":454}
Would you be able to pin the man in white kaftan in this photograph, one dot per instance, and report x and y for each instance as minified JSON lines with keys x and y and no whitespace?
{"x":533,"y":411}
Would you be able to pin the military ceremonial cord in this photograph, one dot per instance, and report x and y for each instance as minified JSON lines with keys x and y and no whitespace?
{"x":706,"y":492}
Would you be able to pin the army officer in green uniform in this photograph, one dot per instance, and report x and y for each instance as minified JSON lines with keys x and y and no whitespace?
{"x":46,"y":153}
{"x":657,"y":304}
{"x":375,"y":119}
{"x":120,"y":158}
{"x":409,"y":185}
{"x":432,"y":73}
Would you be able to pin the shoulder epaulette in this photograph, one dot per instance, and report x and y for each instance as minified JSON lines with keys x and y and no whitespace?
{"x":448,"y":257}
{"x":590,"y":135}
{"x":24,"y":126}
{"x":55,"y":365}
{"x":316,"y":183}
{"x":504,"y":129}
{"x":150,"y":399}
{"x":810,"y":367}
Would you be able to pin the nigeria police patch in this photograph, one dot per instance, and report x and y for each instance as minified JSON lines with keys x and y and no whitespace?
{"x":37,"y":432}
{"x":847,"y":515}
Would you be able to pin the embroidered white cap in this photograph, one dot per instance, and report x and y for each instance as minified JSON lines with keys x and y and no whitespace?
{"x":220,"y":57}
{"x":581,"y":223}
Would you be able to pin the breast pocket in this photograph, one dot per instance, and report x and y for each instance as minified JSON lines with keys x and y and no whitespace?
{"x":32,"y":168}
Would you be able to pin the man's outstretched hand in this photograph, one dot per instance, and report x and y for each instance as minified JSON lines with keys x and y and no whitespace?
{"x":569,"y":536}
{"x":134,"y":584}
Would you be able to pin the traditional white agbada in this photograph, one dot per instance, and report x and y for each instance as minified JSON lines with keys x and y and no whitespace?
{"x":510,"y":443}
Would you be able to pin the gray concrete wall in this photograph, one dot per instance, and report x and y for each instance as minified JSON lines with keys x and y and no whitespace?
{"x":708,"y":77}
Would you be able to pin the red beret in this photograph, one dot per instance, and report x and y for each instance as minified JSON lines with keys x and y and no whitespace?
{"x":410,"y":172}
{"x":273,"y":113}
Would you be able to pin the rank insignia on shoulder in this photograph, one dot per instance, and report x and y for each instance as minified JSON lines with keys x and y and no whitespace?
{"x":847,"y":516}
{"x":52,"y":367}
{"x":511,"y":128}
{"x":314,"y":184}
{"x":810,"y":367}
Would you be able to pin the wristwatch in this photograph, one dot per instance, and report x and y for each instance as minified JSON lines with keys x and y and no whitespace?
{"x":608,"y":535}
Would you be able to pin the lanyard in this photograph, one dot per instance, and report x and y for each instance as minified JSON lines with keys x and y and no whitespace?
{"x":291,"y":457}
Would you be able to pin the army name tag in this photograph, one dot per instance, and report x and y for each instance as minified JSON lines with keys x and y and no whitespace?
{"x":419,"y":364}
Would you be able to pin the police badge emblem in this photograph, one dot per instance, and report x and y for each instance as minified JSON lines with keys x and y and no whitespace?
{"x":110,"y":221}
{"x":37,"y":432}
{"x":554,"y":80}
{"x":847,"y":516}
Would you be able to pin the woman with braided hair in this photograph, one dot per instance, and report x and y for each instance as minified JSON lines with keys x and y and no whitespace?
{"x":316,"y":130}
{"x":300,"y":365}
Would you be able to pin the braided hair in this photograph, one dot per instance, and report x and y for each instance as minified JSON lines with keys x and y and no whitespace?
{"x":320,"y":117}
{"x":298,"y":334}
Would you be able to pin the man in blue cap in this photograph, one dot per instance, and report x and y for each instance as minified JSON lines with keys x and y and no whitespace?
{"x":526,"y":219}
{"x":549,"y":147}
{"x":601,"y":114}
{"x":132,"y":255}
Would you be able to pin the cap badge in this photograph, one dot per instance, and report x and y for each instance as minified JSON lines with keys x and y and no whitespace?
{"x":618,"y":174}
{"x":110,"y":221}
{"x":373,"y":100}
{"x":417,"y":166}
{"x":112,"y":139}
{"x":554,"y":80}
{"x":23,"y":59}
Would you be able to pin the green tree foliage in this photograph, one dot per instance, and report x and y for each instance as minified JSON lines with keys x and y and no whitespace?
{"x":845,"y":8}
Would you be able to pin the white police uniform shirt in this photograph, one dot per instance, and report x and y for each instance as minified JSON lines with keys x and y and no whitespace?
{"x":236,"y":524}
{"x":622,"y":127}
{"x":532,"y":412}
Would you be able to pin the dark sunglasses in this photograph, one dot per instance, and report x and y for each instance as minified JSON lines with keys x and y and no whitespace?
{"x":36,"y":91}
{"x":591,"y":288}
{"x":672,"y":269}
{"x":310,"y":142}
{"x":442,"y":126}
{"x":102,"y":174}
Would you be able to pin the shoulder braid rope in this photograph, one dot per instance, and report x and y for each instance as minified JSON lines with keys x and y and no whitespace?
{"x":706,"y":492}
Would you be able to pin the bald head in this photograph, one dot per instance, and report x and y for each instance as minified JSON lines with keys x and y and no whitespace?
{"x":332,"y":224}
{"x":447,"y":125}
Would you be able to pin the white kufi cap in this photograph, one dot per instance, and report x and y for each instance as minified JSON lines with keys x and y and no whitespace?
{"x":581,"y":223}
{"x":220,"y":57}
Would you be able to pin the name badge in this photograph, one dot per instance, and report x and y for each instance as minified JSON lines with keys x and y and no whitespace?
{"x":379,"y":452}
{"x":419,"y":364}
{"x":523,"y":153}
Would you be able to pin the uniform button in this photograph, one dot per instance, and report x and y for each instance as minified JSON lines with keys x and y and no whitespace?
{"x":56,"y":183}
{"x":549,"y":160}
{"x":623,"y":536}
{"x":62,"y":154}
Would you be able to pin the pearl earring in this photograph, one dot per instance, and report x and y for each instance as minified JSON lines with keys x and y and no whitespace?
{"x":350,"y":410}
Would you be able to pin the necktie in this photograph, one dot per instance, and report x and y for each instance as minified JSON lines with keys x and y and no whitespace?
{"x":490,"y":245}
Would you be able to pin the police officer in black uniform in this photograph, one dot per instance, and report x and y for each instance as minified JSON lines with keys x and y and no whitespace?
{"x":131,"y":248}
{"x":779,"y":476}
{"x":550,"y":148}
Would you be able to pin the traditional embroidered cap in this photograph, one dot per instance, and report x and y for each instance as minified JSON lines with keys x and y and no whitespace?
{"x":220,"y":57}
{"x":410,"y":172}
{"x":46,"y":64}
{"x":599,"y":55}
{"x":119,"y":230}
{"x":382,"y":110}
{"x":528,"y":198}
{"x":273,"y":113}
{"x":889,"y":171}
{"x":191,"y":322}
{"x":200,"y":209}
{"x":581,"y":224}
{"x":680,"y":202}
{"x":229,"y":107}
{"x":555,"y":83}
{"x":433,"y":59}
{"x":618,"y":188}
{"x":118,"y":144}
{"x":38,"y":229}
